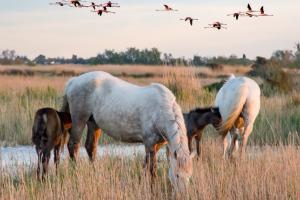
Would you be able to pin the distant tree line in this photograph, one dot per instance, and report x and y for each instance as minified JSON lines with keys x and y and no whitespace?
{"x":288,"y":58}
{"x":9,"y":57}
{"x":147,"y":57}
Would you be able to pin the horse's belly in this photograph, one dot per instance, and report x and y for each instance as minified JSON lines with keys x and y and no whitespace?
{"x":125,"y":136}
{"x":123,"y":130}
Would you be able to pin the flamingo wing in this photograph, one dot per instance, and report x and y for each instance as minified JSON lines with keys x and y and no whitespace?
{"x":262,"y":11}
{"x":236,"y":15}
{"x":249,"y":7}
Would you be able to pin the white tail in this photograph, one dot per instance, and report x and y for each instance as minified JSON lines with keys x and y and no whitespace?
{"x":232,"y":110}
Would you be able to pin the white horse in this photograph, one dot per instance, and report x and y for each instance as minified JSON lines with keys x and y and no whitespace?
{"x":239,"y":104}
{"x":129,"y":113}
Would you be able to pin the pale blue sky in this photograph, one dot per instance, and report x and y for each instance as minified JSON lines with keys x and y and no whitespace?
{"x":33,"y":26}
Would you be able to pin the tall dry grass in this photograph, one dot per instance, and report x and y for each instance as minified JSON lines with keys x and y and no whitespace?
{"x":270,"y":169}
{"x":265,"y":173}
{"x":278,"y":121}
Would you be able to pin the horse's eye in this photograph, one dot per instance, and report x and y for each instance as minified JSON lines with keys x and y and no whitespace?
{"x":177,"y":176}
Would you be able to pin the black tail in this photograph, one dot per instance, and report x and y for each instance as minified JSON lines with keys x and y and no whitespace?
{"x":39,"y":129}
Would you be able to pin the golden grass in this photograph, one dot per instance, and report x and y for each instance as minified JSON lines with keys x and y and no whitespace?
{"x":265,"y":173}
{"x":21,"y":96}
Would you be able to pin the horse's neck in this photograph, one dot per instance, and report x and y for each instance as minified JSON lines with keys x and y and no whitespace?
{"x":202,"y":120}
{"x":177,"y":142}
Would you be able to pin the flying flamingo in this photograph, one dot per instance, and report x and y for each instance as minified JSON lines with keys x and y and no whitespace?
{"x":249,"y":14}
{"x":76,"y":3}
{"x":93,"y":5}
{"x":262,"y":12}
{"x":58,"y":3}
{"x":110,"y":4}
{"x":236,"y":15}
{"x":167,"y":8}
{"x":217,"y":25}
{"x":189,"y":19}
{"x":101,"y":11}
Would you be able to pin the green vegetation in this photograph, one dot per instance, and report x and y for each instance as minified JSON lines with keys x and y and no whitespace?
{"x":278,"y":121}
{"x":275,"y":78}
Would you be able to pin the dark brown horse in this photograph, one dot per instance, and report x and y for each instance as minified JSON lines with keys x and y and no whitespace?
{"x":195,"y":122}
{"x":49,"y":131}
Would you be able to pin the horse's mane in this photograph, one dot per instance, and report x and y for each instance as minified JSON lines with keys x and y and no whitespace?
{"x":232,"y":76}
{"x":182,"y":151}
{"x":202,"y":110}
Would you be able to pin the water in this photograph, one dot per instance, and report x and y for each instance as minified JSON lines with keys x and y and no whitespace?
{"x":12,"y":157}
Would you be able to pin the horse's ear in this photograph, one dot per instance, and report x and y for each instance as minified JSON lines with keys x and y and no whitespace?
{"x":175,"y":155}
{"x":214,"y":109}
{"x":193,"y":154}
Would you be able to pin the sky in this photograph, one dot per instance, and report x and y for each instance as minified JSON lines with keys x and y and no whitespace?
{"x":33,"y":27}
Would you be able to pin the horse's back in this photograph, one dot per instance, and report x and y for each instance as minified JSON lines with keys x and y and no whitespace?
{"x":94,"y":78}
{"x":236,"y":85}
{"x":239,"y":90}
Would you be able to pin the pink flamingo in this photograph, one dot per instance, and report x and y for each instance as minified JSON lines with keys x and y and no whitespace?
{"x":189,"y":19}
{"x":101,"y":11}
{"x":76,"y":3}
{"x":217,"y":25}
{"x":236,"y":15}
{"x":167,"y":8}
{"x":110,"y":4}
{"x":59,"y":3}
{"x":93,"y":5}
{"x":262,"y":12}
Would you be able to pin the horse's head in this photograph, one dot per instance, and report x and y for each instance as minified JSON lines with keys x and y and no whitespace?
{"x":181,"y":168}
{"x":215,"y":117}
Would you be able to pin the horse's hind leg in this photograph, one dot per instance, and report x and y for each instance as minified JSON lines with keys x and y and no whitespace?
{"x":226,"y":143}
{"x":234,"y":137}
{"x":38,"y":170}
{"x":247,"y":132}
{"x":249,"y":115}
{"x":45,"y":161}
{"x":93,"y":135}
{"x":57,"y":156}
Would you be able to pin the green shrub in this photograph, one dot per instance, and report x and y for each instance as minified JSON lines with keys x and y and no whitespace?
{"x":276,"y":79}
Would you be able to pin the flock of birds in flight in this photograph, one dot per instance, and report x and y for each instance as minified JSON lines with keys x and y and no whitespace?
{"x":103,"y":8}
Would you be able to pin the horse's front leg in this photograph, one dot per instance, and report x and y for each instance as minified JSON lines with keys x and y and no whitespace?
{"x":75,"y":137}
{"x":198,"y":138}
{"x":151,"y":160}
{"x":190,"y":143}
